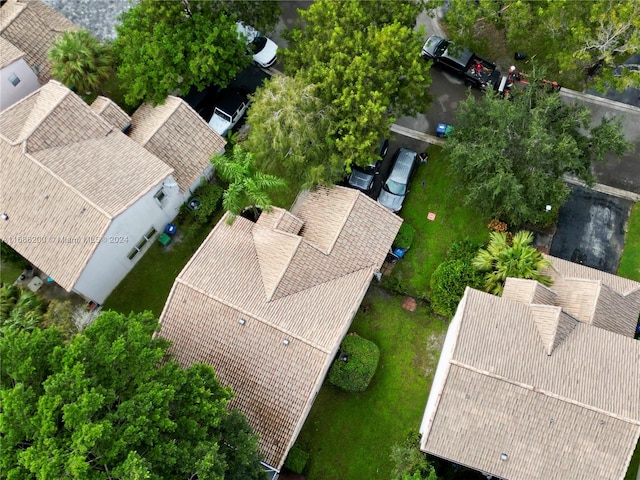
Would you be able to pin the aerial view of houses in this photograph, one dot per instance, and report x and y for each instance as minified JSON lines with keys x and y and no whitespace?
{"x":323,"y":240}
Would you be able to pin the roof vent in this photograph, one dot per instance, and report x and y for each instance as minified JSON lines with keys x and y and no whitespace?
{"x":285,"y":342}
{"x":242,"y":321}
{"x":504,"y":457}
{"x":4,"y":216}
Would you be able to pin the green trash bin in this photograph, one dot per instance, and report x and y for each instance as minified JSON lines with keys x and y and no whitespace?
{"x":164,"y":239}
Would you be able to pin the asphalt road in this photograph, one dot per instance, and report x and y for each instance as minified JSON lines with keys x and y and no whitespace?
{"x":591,"y":229}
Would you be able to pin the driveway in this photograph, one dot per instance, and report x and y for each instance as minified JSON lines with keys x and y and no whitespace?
{"x":591,"y":229}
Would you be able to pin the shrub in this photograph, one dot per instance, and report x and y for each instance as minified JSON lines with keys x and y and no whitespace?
{"x":209,"y":196}
{"x":409,"y":462}
{"x":296,"y":460}
{"x":465,"y":250}
{"x":448,"y":283}
{"x":354,"y":374}
{"x":405,"y":236}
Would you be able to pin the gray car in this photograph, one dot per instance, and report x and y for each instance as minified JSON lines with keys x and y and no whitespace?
{"x":396,"y":187}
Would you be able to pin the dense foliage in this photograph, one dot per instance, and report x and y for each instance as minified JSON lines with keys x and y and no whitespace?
{"x":363,"y":59}
{"x":166,"y":47}
{"x":354,"y":368}
{"x":209,"y":196}
{"x":580,"y":41}
{"x":247,"y":187}
{"x":512,"y":154}
{"x":515,"y":258}
{"x":296,"y":459}
{"x":289,"y":133}
{"x":448,"y":283}
{"x":111,"y":404}
{"x":80,"y":61}
{"x":405,"y":236}
{"x":409,"y":462}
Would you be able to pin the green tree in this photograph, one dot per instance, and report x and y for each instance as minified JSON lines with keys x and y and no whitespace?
{"x":370,"y":72}
{"x":516,"y":258}
{"x":80,"y":61}
{"x":409,"y":462}
{"x":513,"y":154}
{"x":580,"y":41}
{"x":448,"y":283}
{"x":262,"y":15}
{"x":112,"y":404}
{"x":290,"y":133}
{"x":247,"y":186}
{"x":178,"y":45}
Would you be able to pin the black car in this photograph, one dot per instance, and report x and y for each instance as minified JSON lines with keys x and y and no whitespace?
{"x":362,"y":177}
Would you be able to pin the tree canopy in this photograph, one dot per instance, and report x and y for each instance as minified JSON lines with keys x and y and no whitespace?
{"x":512,"y":154}
{"x":580,"y":41}
{"x":247,"y":186}
{"x":112,"y":404}
{"x":164,"y":46}
{"x":80,"y":61}
{"x":289,"y":133}
{"x":365,"y":64}
{"x":510,"y":257}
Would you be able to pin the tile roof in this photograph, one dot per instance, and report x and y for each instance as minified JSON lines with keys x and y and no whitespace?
{"x":66,"y":173}
{"x":176,"y":134}
{"x":32,"y":27}
{"x":9,"y":53}
{"x":558,"y":396}
{"x":230,"y":280}
{"x":111,"y":112}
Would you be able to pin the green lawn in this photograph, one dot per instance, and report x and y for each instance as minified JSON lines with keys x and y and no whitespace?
{"x":349,"y":436}
{"x":630,"y":261}
{"x":148,"y":285}
{"x":10,"y":270}
{"x":442,"y":195}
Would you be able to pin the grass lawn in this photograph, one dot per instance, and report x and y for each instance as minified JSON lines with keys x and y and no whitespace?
{"x":454,"y":221}
{"x":630,"y":261}
{"x":148,"y":285}
{"x":349,"y":436}
{"x":10,"y":270}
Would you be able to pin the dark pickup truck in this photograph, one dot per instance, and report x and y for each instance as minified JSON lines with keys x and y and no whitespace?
{"x":473,"y":69}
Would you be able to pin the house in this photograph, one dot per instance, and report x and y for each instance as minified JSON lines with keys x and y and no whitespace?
{"x":543,"y":382}
{"x":17,"y":79}
{"x":267,"y":304}
{"x":31,"y":27}
{"x":80,"y":200}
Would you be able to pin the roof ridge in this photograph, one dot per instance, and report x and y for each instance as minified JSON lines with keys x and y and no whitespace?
{"x":24,"y":135}
{"x":252,"y":315}
{"x":552,"y":331}
{"x":549,"y":394}
{"x":170,"y":111}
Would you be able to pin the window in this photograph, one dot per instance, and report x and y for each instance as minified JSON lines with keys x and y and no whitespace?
{"x":141,"y":243}
{"x":160,"y":196}
{"x":14,"y":79}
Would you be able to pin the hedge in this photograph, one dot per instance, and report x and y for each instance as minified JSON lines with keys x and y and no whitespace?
{"x":354,"y":374}
{"x":405,"y":236}
{"x":296,"y":460}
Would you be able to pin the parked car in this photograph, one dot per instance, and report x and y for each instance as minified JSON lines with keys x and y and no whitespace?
{"x":263,"y":49}
{"x":462,"y":62}
{"x":231,"y":105}
{"x":395,"y":188}
{"x":362,"y":177}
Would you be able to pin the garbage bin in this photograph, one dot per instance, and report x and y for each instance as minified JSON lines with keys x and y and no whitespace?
{"x":164,"y":239}
{"x":170,"y":229}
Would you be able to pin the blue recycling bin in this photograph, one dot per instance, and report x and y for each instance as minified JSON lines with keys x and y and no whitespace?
{"x":441,"y":130}
{"x":170,"y":229}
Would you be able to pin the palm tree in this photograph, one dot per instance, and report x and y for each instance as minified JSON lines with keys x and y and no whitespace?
{"x":80,"y":61}
{"x":247,"y":187}
{"x":502,"y":259}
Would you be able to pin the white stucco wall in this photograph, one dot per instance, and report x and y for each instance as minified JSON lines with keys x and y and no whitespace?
{"x":10,"y":94}
{"x":110,"y":264}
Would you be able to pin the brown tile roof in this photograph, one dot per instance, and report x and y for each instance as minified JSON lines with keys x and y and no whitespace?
{"x":9,"y":53}
{"x":229,"y":280}
{"x":66,"y":173}
{"x":32,"y":27}
{"x":111,"y":112}
{"x":176,"y":134}
{"x":559,"y":397}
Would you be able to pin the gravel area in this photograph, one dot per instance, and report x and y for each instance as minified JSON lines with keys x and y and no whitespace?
{"x":97,"y":16}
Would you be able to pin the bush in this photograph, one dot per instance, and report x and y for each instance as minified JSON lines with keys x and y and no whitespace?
{"x":465,"y":250}
{"x":405,"y":236}
{"x":296,"y":460}
{"x":354,"y":374}
{"x":209,"y":196}
{"x":448,"y":283}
